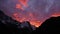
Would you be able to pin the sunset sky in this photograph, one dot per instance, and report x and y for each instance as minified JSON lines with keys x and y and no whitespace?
{"x":34,"y":11}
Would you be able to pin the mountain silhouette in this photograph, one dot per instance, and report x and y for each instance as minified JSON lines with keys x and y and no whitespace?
{"x":51,"y":25}
{"x":10,"y":26}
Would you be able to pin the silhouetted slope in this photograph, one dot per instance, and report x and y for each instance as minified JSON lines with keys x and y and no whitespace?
{"x":27,"y":25}
{"x":8,"y":29}
{"x":51,"y":25}
{"x":10,"y":26}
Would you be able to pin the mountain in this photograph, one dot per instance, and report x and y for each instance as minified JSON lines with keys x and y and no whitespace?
{"x":50,"y":26}
{"x":8,"y":25}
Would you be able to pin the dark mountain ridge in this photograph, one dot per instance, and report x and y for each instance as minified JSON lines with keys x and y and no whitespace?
{"x":10,"y":26}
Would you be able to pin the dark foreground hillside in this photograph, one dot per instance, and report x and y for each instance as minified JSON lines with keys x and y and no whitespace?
{"x":50,"y":26}
{"x":10,"y":26}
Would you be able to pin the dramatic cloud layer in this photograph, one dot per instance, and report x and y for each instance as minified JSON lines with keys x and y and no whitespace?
{"x":34,"y":11}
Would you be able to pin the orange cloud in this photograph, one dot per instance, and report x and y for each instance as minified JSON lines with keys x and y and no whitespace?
{"x":56,"y":14}
{"x":24,"y":2}
{"x":18,"y":6}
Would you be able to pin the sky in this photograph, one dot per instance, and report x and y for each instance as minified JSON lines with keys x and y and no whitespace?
{"x":34,"y":11}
